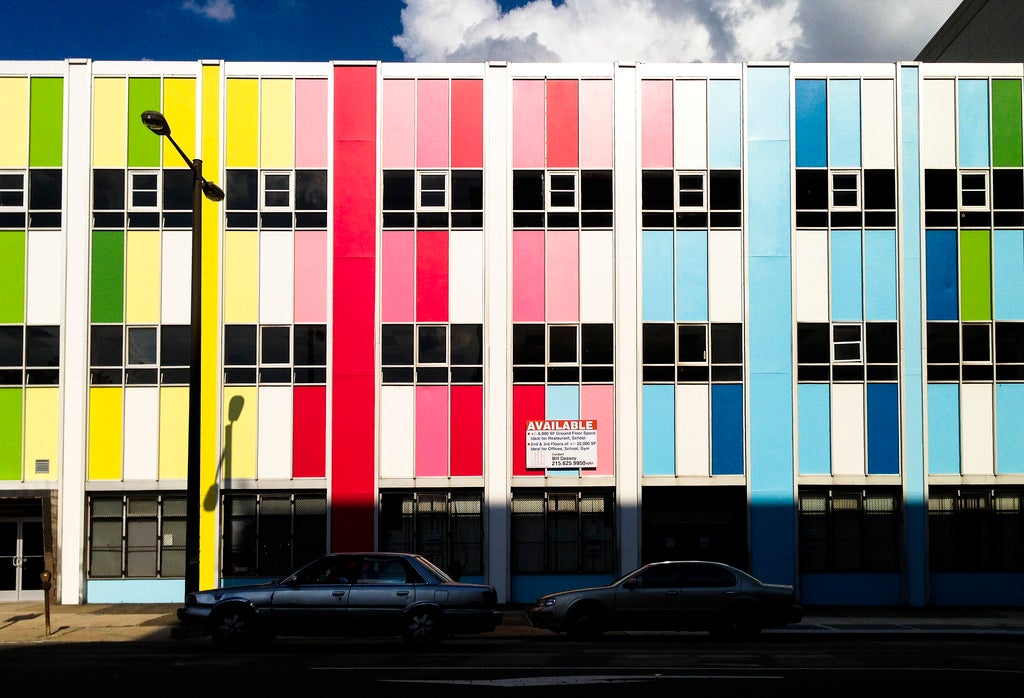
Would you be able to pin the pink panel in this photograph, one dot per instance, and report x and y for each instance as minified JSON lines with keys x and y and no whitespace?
{"x":467,"y":123}
{"x":432,"y":123}
{"x":598,"y":402}
{"x":311,"y":123}
{"x":563,"y":276}
{"x":431,"y":431}
{"x":398,"y":276}
{"x":310,"y":276}
{"x":432,"y":276}
{"x":528,"y":276}
{"x":563,"y":123}
{"x":467,"y":435}
{"x":596,"y":124}
{"x":398,"y":137}
{"x":656,"y":123}
{"x":527,"y":123}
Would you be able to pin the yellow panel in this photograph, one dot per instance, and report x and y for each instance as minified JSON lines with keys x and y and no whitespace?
{"x":180,"y":110}
{"x":142,"y":278}
{"x":14,"y":122}
{"x":239,"y":433}
{"x":277,"y":124}
{"x":105,"y":428}
{"x":241,"y":277}
{"x":42,"y":433}
{"x":110,"y":130}
{"x":209,"y":442}
{"x":243,"y":121}
{"x":173,"y":424}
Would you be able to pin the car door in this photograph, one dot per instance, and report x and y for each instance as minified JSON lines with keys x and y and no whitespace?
{"x":649,"y":599}
{"x":314,"y":601}
{"x":705,"y":593}
{"x":383,"y":590}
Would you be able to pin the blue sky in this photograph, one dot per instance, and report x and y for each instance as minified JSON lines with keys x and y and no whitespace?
{"x":471,"y":30}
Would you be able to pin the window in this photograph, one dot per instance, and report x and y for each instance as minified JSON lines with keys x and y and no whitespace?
{"x":849,"y":530}
{"x":845,"y":190}
{"x":445,"y":527}
{"x":561,"y":194}
{"x":964,"y":351}
{"x":690,"y":191}
{"x":276,"y":194}
{"x":975,"y":529}
{"x":143,"y":191}
{"x":269,"y":534}
{"x":562,"y":531}
{"x":1009,"y":351}
{"x":12,"y":191}
{"x":136,"y":535}
{"x":974,"y":190}
{"x":846,"y":343}
{"x":432,"y":353}
{"x":432,"y":191}
{"x":275,"y":354}
{"x":142,"y":355}
{"x":29,"y":355}
{"x":562,"y":353}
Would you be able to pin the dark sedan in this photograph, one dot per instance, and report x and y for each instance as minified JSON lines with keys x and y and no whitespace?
{"x":676,"y":596}
{"x":348,"y":594}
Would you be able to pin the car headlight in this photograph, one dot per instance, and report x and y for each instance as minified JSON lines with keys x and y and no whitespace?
{"x":548,"y":602}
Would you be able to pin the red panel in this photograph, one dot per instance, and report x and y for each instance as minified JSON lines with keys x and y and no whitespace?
{"x":563,"y":127}
{"x":467,"y":123}
{"x":467,"y":431}
{"x":309,"y":441}
{"x":527,"y":404}
{"x":432,"y":276}
{"x":353,"y":379}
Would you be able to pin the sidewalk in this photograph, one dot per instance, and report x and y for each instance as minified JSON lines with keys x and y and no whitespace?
{"x":24,"y":621}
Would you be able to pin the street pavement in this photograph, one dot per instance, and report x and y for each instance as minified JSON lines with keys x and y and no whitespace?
{"x":31,"y":621}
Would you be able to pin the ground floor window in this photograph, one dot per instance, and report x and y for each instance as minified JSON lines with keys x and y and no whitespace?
{"x":849,"y":530}
{"x":444,"y":526}
{"x":136,"y":535}
{"x":565,"y":531}
{"x":269,"y":534}
{"x":975,"y":529}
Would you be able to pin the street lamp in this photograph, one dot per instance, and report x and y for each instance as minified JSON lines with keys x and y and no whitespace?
{"x":201,"y":187}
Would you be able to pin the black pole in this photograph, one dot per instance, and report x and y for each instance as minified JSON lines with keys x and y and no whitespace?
{"x":192,"y":498}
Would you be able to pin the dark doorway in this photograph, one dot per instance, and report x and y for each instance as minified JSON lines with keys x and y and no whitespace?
{"x":695,"y":523}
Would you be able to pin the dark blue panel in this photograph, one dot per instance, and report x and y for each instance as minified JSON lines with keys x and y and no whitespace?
{"x":726,"y":429}
{"x":883,"y":429}
{"x":811,"y":124}
{"x":940,"y":274}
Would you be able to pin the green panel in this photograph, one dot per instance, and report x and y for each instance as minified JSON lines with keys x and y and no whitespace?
{"x":12,"y":277}
{"x":975,"y":275}
{"x":107,"y":276}
{"x":10,"y":427}
{"x":1006,"y":123}
{"x":46,"y":123}
{"x":143,"y":144}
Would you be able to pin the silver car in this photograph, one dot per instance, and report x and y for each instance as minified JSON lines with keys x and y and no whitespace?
{"x":675,"y":596}
{"x":347,"y":594}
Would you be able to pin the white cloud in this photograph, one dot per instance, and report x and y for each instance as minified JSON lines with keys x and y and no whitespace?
{"x":721,"y":31}
{"x":219,"y":10}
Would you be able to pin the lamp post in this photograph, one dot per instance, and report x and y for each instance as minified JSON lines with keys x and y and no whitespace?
{"x":201,"y":187}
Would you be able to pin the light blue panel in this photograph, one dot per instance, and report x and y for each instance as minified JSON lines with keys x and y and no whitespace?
{"x":727,"y":429}
{"x":815,"y":432}
{"x":811,"y":125}
{"x":972,"y":113}
{"x":692,"y":276}
{"x":942,"y":261}
{"x":913,"y":403}
{"x":770,"y":349}
{"x":883,"y":429}
{"x":659,"y":404}
{"x":771,"y":457}
{"x":880,"y":288}
{"x":562,"y":402}
{"x":657,"y":277}
{"x":1009,"y":435}
{"x":724,"y":124}
{"x":134,"y":590}
{"x":769,"y":236}
{"x":768,"y":105}
{"x":1008,"y":274}
{"x":943,"y":429}
{"x":844,"y":123}
{"x":847,"y":285}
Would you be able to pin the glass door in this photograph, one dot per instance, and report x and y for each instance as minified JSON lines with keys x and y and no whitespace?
{"x":21,"y":559}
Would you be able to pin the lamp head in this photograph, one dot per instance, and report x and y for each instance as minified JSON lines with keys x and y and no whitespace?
{"x":156,"y":123}
{"x":212,"y":192}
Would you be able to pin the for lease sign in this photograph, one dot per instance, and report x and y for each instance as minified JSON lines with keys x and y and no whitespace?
{"x":561,"y":443}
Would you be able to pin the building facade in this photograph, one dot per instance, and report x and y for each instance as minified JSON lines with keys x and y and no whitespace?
{"x":541,"y":322}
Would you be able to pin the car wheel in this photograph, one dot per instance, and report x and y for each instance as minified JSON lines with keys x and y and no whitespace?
{"x":423,"y":628}
{"x":740,"y":623}
{"x":233,"y":626}
{"x":585,"y":622}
